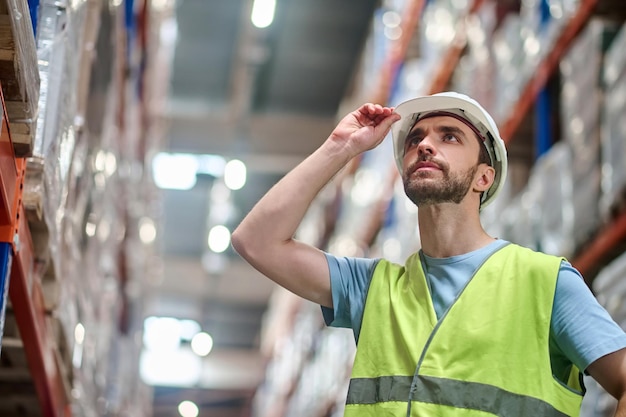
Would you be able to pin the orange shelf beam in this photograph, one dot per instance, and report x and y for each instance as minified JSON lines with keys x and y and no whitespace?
{"x":27,"y":299}
{"x":452,"y":56}
{"x":605,"y":241}
{"x":410,"y":18}
{"x":546,"y":68}
{"x":8,"y":170}
{"x":25,"y":292}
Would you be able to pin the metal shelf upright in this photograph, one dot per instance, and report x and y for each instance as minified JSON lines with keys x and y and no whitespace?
{"x":25,"y":290}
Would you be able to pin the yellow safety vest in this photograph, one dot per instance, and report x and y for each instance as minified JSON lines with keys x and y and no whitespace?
{"x":487,"y":355}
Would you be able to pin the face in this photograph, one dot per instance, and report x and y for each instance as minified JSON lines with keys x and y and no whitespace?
{"x":440,"y":161}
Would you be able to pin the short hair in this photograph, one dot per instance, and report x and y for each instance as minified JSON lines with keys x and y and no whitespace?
{"x":483,"y":154}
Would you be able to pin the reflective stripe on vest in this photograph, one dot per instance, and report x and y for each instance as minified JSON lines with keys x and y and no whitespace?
{"x":443,"y":391}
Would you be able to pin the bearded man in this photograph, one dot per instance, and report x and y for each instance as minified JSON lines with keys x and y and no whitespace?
{"x":470,"y":325}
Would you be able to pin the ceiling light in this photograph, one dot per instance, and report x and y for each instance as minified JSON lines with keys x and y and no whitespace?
{"x":147,"y":230}
{"x":100,"y":160}
{"x":235,"y":174}
{"x":263,"y":13}
{"x":211,"y":165}
{"x":90,"y":229}
{"x":188,"y":409}
{"x":178,"y":368}
{"x":175,"y":171}
{"x":110,"y":164}
{"x":79,"y":333}
{"x":392,"y":19}
{"x":219,"y":238}
{"x":202,"y":344}
{"x":188,"y":329}
{"x":393,"y":33}
{"x":161,"y":334}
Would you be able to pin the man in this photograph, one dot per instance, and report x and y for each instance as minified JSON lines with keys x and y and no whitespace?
{"x":470,"y":325}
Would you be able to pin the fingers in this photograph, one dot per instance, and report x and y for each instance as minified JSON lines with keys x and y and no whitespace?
{"x":372,"y":110}
{"x":385,"y":124}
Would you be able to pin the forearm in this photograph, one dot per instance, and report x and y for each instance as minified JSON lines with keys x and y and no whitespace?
{"x":276,"y":217}
{"x":265,"y":237}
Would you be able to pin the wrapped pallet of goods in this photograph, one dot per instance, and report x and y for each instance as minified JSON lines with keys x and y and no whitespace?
{"x":581,"y":71}
{"x":613,"y":128}
{"x":19,"y":73}
{"x":552,"y":179}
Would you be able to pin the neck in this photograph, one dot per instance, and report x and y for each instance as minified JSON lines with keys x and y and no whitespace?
{"x":451,"y":229}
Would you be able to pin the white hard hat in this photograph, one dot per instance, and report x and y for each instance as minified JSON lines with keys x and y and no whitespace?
{"x":468,"y":109}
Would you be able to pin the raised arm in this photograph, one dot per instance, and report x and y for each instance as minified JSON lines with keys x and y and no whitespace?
{"x":265,"y":236}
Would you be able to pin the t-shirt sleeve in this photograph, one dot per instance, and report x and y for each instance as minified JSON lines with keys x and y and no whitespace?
{"x":349,"y":280}
{"x":584,"y":331}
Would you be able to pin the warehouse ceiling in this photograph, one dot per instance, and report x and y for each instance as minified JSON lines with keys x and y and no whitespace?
{"x":268,"y":97}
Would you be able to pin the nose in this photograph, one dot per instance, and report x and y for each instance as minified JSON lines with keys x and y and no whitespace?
{"x":426,"y":146}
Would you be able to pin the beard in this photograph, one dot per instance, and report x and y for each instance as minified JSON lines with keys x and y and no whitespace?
{"x":452,"y":188}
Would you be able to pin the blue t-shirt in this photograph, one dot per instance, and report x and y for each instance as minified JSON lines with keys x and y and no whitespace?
{"x":581,"y":330}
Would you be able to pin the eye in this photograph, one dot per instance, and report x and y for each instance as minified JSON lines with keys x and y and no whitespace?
{"x":412,"y":141}
{"x":449,"y":137}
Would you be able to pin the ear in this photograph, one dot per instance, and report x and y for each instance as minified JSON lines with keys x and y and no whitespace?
{"x":485,"y":175}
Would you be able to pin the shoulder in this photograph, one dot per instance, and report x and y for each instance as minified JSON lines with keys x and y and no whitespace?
{"x":347,"y":265}
{"x":583,"y":329}
{"x":526,"y":251}
{"x":521,"y":258}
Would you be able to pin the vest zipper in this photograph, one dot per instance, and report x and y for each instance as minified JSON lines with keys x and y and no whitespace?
{"x":434,"y":331}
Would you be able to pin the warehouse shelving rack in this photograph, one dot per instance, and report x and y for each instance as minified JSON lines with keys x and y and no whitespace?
{"x":611,"y":235}
{"x":25,"y":292}
{"x":37,"y":370}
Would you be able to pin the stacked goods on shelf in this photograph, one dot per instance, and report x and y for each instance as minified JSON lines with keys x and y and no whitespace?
{"x":440,"y":29}
{"x":552,"y":182}
{"x":477,"y":68}
{"x":522,"y":42}
{"x":89,"y":195}
{"x":20,"y":82}
{"x":308,"y":371}
{"x":64,"y":173}
{"x":308,"y":364}
{"x":59,"y":36}
{"x":610,"y":289}
{"x":18,"y":73}
{"x":518,"y":219}
{"x":323,"y":381}
{"x":609,"y":284}
{"x":561,"y":218}
{"x":613,"y":127}
{"x":581,"y":97}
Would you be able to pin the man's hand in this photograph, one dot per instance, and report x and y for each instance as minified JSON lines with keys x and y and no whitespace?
{"x":364,"y":128}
